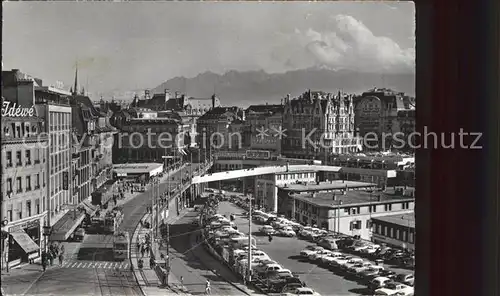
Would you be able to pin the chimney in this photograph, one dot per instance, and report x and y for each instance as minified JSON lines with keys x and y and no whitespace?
{"x":213,"y":101}
{"x":379,"y":198}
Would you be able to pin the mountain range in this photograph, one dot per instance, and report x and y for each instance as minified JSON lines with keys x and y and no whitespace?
{"x":258,"y":87}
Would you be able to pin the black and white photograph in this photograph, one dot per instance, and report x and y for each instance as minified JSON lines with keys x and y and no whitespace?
{"x":209,"y":148}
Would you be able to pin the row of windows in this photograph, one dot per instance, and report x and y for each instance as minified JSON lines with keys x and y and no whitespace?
{"x":29,"y":210}
{"x":59,"y":141}
{"x":29,"y":157}
{"x":59,"y":121}
{"x":20,"y":130}
{"x":29,"y":182}
{"x":399,"y":234}
{"x":59,"y":161}
{"x":295,"y":176}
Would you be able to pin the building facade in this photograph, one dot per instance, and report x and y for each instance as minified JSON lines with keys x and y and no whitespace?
{"x":319,"y":124}
{"x":146,"y":137}
{"x":378,"y":114}
{"x":219,"y":129}
{"x":262,"y":123}
{"x":24,"y":187}
{"x":395,"y":230}
{"x":348,"y":211}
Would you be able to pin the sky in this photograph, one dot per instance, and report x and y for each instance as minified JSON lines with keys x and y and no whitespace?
{"x":127,"y":46}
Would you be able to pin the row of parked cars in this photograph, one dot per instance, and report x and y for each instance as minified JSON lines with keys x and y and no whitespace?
{"x":267,"y":274}
{"x":372,"y":274}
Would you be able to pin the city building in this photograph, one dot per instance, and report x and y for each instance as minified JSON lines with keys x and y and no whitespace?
{"x":406,"y":122}
{"x":24,"y":186}
{"x":189,"y":108}
{"x":395,"y":230}
{"x":347,"y":211}
{"x":266,"y":191}
{"x":379,"y":168}
{"x":262,"y":122}
{"x":144,"y":136}
{"x":377,"y":114}
{"x":52,"y":106}
{"x":318,"y":124}
{"x":219,"y":129}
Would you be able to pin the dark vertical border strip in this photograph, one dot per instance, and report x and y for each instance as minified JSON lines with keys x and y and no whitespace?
{"x":457,"y":188}
{"x":491,"y":234}
{"x":424,"y":60}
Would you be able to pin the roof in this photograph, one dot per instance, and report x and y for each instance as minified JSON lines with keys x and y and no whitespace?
{"x":88,"y":103}
{"x":325,"y":186}
{"x":265,"y":108}
{"x":136,"y":168}
{"x":219,"y":112}
{"x":407,"y":220}
{"x":350,"y":198}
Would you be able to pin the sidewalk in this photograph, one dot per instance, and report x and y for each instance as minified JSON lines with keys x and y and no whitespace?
{"x":147,"y":278}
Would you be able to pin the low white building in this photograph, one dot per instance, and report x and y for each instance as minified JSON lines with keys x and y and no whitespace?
{"x":266,"y":192}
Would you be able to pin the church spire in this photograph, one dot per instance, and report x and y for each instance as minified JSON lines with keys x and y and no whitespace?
{"x":75,"y":87}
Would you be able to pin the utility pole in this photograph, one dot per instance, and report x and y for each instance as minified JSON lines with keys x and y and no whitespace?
{"x":168,"y":252}
{"x":249,"y":240}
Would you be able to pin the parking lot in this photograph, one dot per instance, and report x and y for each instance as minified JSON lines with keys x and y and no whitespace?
{"x":286,"y":250}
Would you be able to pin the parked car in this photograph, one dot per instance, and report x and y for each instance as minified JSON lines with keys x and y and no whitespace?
{"x":371,"y":249}
{"x":261,"y":267}
{"x":289,"y":288}
{"x":318,"y":255}
{"x":336,"y":262}
{"x":395,"y":289}
{"x":303,"y":291}
{"x":406,"y":279}
{"x":379,"y":282}
{"x":330,"y":257}
{"x":267,"y":230}
{"x":359,"y":267}
{"x":371,"y":272}
{"x":286,"y":231}
{"x":310,"y":250}
{"x":328,"y":243}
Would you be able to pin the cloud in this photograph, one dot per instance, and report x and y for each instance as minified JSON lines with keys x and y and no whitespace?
{"x":351,"y":45}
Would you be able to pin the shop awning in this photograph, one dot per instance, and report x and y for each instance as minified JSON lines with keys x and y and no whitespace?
{"x":66,"y":225}
{"x":89,"y":207}
{"x":25,"y":241}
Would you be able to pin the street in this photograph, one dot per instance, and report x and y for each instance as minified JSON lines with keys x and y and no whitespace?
{"x":88,"y":268}
{"x":191,"y":261}
{"x":286,"y":250}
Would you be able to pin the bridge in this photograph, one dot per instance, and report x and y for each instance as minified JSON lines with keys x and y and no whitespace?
{"x":263,"y":171}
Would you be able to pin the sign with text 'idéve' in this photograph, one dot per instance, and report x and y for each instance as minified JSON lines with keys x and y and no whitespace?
{"x":14,"y":110}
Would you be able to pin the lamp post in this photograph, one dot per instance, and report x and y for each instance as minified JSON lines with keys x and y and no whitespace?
{"x":5,"y":241}
{"x":249,"y":240}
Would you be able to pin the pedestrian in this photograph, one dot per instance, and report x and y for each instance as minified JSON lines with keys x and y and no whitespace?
{"x":143,"y":250}
{"x":44,"y":260}
{"x":182,"y":281}
{"x":146,"y":248}
{"x":151,"y":263}
{"x":138,"y":246}
{"x":51,"y":259}
{"x":61,"y":259}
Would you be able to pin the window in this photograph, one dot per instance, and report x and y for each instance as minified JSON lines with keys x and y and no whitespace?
{"x":347,"y":210}
{"x":406,"y":205}
{"x":37,"y":156}
{"x":404,"y":236}
{"x":397,"y":234}
{"x":9,"y":215}
{"x":19,"y":158}
{"x":369,"y":224}
{"x":19,"y":185}
{"x":37,"y":206}
{"x":20,"y":211}
{"x":28,"y":157}
{"x":28,"y":183}
{"x":373,"y":209}
{"x":37,"y":181}
{"x":391,"y":235}
{"x":410,"y":240}
{"x":9,"y":159}
{"x":9,"y":185}
{"x":388,"y":207}
{"x":385,"y":231}
{"x":379,"y":229}
{"x":28,"y":208}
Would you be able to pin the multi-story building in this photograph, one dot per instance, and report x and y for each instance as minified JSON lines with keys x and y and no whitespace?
{"x":146,"y":137}
{"x":189,"y":108}
{"x":318,"y":124}
{"x":220,"y":129}
{"x":266,"y":191}
{"x":377,"y":115}
{"x":52,"y":106}
{"x":262,"y":123}
{"x":395,"y":230}
{"x":406,"y":129}
{"x":24,"y":186}
{"x":348,"y":211}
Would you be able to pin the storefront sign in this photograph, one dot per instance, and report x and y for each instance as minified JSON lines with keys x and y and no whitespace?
{"x":16,"y":111}
{"x":25,"y":225}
